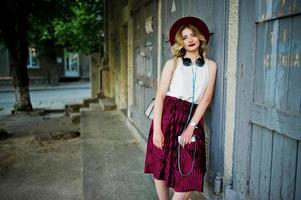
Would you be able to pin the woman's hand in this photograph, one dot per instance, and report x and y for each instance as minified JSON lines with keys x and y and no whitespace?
{"x":158,"y":139}
{"x":187,"y":136}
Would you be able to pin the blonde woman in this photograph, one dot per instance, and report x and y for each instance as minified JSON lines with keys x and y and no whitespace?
{"x":183,"y":95}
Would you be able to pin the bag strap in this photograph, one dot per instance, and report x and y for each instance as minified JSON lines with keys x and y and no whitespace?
{"x":179,"y":160}
{"x":188,"y":119}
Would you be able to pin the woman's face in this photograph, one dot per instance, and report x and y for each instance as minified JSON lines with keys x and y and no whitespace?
{"x":190,"y":40}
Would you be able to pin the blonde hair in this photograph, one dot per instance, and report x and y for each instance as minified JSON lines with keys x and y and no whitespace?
{"x":178,"y":48}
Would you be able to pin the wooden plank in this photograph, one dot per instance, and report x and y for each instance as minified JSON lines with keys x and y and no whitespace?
{"x":289,"y":168}
{"x":195,"y":8}
{"x":270,"y":63}
{"x":255,"y":161}
{"x":209,"y":15}
{"x":217,"y":53}
{"x":272,"y":9}
{"x":244,"y":95}
{"x":283,"y":56}
{"x":258,"y":9}
{"x":298,"y":174}
{"x":277,"y":166}
{"x":269,"y":9}
{"x":294,"y":90}
{"x":179,"y":10}
{"x":261,"y":46}
{"x":265,"y":164}
{"x":288,"y":124}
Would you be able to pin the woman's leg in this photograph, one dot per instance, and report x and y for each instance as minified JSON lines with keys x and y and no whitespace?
{"x":181,"y":195}
{"x":162,"y":190}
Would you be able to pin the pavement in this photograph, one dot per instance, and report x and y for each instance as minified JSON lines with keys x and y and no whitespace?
{"x":111,"y":155}
{"x":112,"y":159}
{"x":40,"y":157}
{"x":47,"y":97}
{"x":59,"y":86}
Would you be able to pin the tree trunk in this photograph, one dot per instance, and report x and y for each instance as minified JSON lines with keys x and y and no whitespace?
{"x":21,"y":80}
{"x":15,"y":36}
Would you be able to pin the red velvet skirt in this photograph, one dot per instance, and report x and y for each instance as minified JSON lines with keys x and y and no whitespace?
{"x":163,"y":163}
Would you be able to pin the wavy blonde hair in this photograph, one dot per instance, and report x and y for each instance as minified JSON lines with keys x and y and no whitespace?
{"x":178,"y":48}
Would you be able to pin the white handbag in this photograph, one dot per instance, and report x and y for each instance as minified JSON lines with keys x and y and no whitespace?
{"x":149,"y":111}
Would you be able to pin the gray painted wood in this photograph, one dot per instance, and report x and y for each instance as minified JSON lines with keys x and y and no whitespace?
{"x":255,"y":161}
{"x":275,"y":106}
{"x":261,"y":58}
{"x":294,"y":90}
{"x":145,"y":60}
{"x":283,"y":55}
{"x":271,"y":9}
{"x":289,"y":168}
{"x":270,"y":67}
{"x":265,"y":164}
{"x":298,"y":174}
{"x":284,"y":123}
{"x":216,"y":12}
{"x":277,"y":166}
{"x":245,"y":80}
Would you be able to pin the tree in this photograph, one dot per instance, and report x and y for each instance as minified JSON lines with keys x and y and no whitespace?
{"x":82,"y":32}
{"x":46,"y":23}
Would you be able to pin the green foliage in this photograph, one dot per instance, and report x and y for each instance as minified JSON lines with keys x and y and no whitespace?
{"x":73,"y":24}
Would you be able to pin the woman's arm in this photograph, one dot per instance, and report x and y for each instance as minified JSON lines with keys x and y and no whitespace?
{"x":202,"y":106}
{"x":166,"y":77}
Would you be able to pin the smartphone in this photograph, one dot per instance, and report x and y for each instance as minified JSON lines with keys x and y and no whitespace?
{"x":192,"y":138}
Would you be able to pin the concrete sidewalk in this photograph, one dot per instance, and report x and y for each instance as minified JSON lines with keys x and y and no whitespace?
{"x":112,"y":159}
{"x":59,"y":86}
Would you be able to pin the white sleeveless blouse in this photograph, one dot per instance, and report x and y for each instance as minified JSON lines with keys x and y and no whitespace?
{"x":181,"y":83}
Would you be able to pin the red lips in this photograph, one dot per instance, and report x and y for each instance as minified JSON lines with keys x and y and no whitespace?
{"x":191,"y":45}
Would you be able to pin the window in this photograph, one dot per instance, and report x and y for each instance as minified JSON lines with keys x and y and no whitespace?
{"x":33,"y":61}
{"x":71,"y":64}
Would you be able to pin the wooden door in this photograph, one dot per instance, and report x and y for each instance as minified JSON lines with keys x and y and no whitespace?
{"x":267,"y":148}
{"x":213,"y":14}
{"x":145,"y":56}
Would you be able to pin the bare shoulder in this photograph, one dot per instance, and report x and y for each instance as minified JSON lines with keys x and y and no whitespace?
{"x":170,"y":64}
{"x":170,"y":61}
{"x":211,"y":64}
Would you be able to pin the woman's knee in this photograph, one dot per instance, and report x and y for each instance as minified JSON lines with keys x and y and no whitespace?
{"x":181,"y":195}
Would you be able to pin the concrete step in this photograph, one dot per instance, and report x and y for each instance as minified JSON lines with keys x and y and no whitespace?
{"x":75,"y":117}
{"x":87,"y":101}
{"x":95,"y":106}
{"x":71,"y":108}
{"x":107,"y":104}
{"x":112,"y":161}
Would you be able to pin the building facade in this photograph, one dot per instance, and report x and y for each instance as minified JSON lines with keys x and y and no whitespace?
{"x":253,"y":124}
{"x":48,"y":66}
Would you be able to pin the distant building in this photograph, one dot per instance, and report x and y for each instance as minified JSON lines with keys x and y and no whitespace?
{"x":48,"y":66}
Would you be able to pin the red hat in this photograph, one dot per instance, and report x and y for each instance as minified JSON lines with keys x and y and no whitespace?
{"x":196,"y":22}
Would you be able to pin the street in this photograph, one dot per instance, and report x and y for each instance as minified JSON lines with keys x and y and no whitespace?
{"x":49,"y":98}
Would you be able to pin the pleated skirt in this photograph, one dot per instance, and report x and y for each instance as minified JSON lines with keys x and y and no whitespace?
{"x":163,"y":163}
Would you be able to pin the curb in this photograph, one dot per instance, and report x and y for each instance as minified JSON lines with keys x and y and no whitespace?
{"x":47,"y":88}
